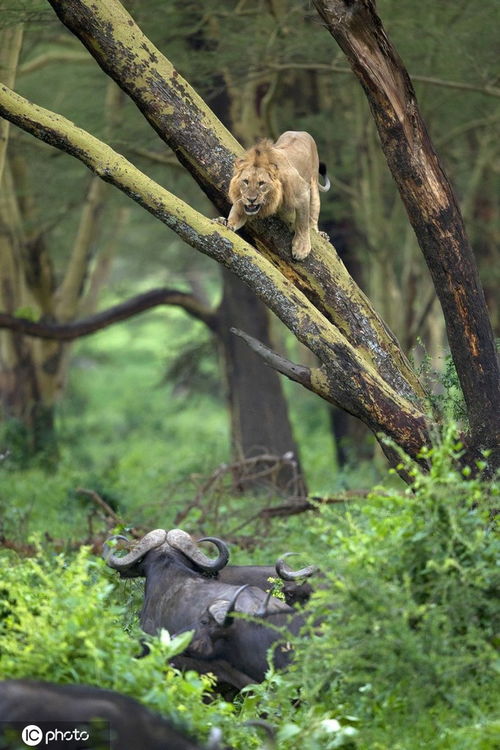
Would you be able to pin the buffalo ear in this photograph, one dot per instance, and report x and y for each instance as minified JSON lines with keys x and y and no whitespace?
{"x":219,"y":610}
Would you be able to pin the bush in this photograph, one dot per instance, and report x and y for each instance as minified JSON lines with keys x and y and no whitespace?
{"x":406,"y":652}
{"x":60,"y":620}
{"x":401,"y":650}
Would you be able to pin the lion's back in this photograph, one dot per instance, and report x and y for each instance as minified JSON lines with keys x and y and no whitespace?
{"x":299,"y":149}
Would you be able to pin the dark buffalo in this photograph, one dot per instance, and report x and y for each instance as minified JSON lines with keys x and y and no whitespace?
{"x":218,"y":634}
{"x":178,"y":595}
{"x":177,"y":589}
{"x":131,"y":725}
{"x":294,"y":587}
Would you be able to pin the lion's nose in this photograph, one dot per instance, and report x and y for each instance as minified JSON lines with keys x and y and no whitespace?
{"x":252,"y":200}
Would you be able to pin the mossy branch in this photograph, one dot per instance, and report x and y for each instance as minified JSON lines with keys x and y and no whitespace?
{"x":207,"y":149}
{"x":346,"y":378}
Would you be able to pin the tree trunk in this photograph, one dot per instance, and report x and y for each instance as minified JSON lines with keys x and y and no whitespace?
{"x":431,"y":206}
{"x":259,"y":416}
{"x":33,"y":371}
{"x":205,"y":147}
{"x":259,"y":412}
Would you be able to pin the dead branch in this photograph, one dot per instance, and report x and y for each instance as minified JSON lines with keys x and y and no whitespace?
{"x":97,"y":499}
{"x":314,"y":503}
{"x":298,"y":373}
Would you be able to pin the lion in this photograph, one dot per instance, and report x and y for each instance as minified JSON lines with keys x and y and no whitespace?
{"x":281,"y":175}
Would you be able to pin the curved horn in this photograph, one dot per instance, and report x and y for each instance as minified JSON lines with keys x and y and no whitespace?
{"x":221,"y":546}
{"x":181,"y":541}
{"x":228,"y":620}
{"x":262,"y":611}
{"x":293,"y":575}
{"x":150,"y":541}
{"x":107,"y":551}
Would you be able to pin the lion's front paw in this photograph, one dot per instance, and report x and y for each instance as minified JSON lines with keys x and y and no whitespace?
{"x":325,"y":235}
{"x":220,"y":220}
{"x":300,"y":249}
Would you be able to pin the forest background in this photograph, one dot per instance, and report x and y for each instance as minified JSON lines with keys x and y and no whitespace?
{"x":159,"y":421}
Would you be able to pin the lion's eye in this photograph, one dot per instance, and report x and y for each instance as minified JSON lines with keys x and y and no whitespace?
{"x":245,"y":182}
{"x":261,"y":184}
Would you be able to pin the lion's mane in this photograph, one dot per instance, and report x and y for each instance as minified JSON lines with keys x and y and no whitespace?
{"x":259,"y":157}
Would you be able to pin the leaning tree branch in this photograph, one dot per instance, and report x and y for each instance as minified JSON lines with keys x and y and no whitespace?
{"x":115,"y":314}
{"x":207,"y":150}
{"x":298,"y":373}
{"x":431,"y":205}
{"x":347,"y":379}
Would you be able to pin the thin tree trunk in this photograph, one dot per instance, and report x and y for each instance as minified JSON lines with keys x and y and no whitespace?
{"x":33,"y":371}
{"x":259,"y":416}
{"x":11,"y":39}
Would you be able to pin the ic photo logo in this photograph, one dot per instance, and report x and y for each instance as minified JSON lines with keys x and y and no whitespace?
{"x":32,"y":735}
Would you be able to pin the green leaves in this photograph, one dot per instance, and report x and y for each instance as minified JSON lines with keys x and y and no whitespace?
{"x":61,"y":620}
{"x":401,"y":646}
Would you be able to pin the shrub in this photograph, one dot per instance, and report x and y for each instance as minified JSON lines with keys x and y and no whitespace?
{"x":60,"y":620}
{"x":406,"y":652}
{"x":401,"y":650}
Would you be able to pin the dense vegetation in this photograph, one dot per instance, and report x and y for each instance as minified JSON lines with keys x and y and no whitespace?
{"x":401,"y":648}
{"x":405,"y":654}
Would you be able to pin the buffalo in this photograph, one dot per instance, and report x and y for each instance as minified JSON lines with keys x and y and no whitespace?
{"x":115,"y":720}
{"x":294,"y":588}
{"x":179,"y":595}
{"x":245,"y":642}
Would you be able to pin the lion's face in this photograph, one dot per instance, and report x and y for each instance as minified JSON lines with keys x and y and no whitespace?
{"x":257,"y":188}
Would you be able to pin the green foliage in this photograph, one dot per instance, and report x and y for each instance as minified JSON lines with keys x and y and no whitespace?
{"x":446,"y":400}
{"x":401,"y":649}
{"x":406,"y":652}
{"x":60,"y":620}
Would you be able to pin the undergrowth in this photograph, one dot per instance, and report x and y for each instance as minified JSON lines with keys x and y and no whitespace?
{"x":401,"y":650}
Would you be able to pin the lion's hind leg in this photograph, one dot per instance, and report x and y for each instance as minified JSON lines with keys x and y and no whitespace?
{"x":301,"y":243}
{"x":314,"y":205}
{"x":314,"y":209}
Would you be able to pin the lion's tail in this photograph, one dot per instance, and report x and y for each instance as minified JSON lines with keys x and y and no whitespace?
{"x":322,"y":171}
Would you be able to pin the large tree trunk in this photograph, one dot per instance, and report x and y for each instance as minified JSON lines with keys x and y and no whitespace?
{"x":259,"y":412}
{"x":431,"y":205}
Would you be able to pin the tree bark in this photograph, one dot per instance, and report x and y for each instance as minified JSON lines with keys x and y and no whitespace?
{"x":206,"y":148}
{"x":431,"y":206}
{"x":259,"y":415}
{"x":344,"y":378}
